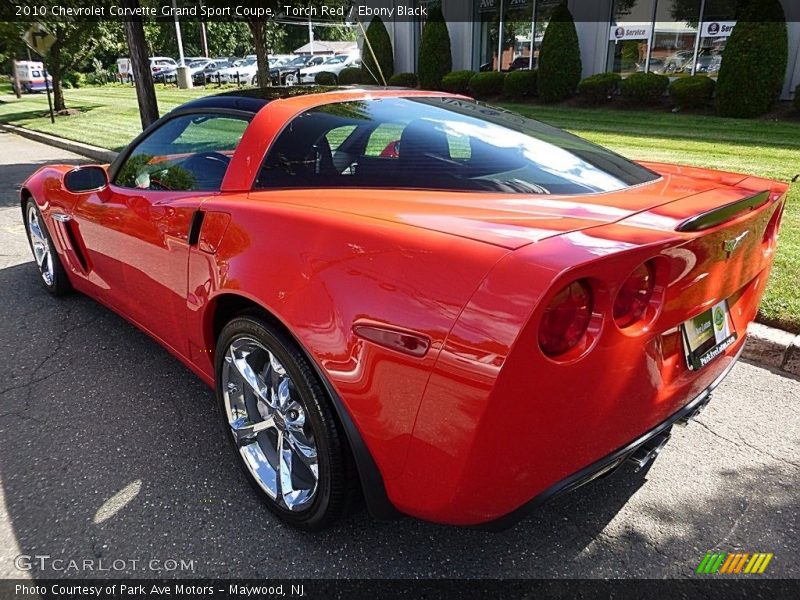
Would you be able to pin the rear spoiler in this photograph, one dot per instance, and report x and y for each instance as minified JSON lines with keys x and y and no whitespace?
{"x":724,"y":213}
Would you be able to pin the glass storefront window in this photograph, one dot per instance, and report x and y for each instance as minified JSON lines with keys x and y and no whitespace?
{"x":674,"y":37}
{"x":718,"y":22}
{"x":488,"y":18}
{"x":517,"y":24}
{"x":629,"y":36}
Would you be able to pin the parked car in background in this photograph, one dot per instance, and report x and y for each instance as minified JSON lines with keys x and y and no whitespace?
{"x":288,"y":73}
{"x":208,"y":73}
{"x":335,"y":65}
{"x":522,"y":63}
{"x":246,"y":70}
{"x":162,"y":63}
{"x":706,"y":63}
{"x":30,"y":74}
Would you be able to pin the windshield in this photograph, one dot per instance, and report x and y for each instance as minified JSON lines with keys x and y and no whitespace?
{"x":335,"y":60}
{"x":296,"y":62}
{"x":442,"y":144}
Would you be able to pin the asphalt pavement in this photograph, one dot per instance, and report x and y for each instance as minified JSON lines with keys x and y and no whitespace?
{"x":110,"y":453}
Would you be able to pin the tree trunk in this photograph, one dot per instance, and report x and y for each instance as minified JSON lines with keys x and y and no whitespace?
{"x":17,"y":90}
{"x":140,"y":65}
{"x":259,"y":41}
{"x":53,"y":61}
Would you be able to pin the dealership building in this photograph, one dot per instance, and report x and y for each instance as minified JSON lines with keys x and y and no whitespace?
{"x":672,"y":37}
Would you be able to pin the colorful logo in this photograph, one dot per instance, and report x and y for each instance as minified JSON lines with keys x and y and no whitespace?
{"x":731,"y":563}
{"x":719,"y":319}
{"x":713,"y":28}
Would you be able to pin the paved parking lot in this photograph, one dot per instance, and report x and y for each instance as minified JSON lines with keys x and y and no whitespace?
{"x":109,"y":449}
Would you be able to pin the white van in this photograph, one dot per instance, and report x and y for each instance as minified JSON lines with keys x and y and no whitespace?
{"x":30,"y":75}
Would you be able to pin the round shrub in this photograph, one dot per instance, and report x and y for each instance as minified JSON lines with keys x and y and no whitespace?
{"x":351,"y":76}
{"x":754,"y":61}
{"x":487,"y":85}
{"x":692,"y":92}
{"x":435,"y":53}
{"x":644,"y":88}
{"x":456,"y":82}
{"x":599,"y":88}
{"x":559,"y":57}
{"x":407,"y":80}
{"x":325,"y":78}
{"x":521,"y":84}
{"x":382,"y":47}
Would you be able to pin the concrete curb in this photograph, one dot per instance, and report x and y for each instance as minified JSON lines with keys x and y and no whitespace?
{"x":95,"y":153}
{"x":766,"y":346}
{"x":773,"y":348}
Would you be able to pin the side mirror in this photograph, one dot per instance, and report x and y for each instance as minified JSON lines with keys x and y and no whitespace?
{"x":90,"y":178}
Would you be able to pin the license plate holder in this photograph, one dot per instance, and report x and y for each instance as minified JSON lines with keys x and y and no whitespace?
{"x":708,"y":335}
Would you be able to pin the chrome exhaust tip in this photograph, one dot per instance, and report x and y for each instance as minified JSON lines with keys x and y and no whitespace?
{"x":648,"y":451}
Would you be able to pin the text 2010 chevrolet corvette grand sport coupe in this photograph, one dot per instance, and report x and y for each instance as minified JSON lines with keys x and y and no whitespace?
{"x":460,"y":311}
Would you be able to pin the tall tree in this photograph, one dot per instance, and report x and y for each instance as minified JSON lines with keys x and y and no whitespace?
{"x":140,"y":64}
{"x":559,"y":57}
{"x":754,"y":61}
{"x":377,"y":55}
{"x":435,"y":53}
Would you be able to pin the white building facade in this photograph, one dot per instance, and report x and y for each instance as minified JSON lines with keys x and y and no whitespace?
{"x":672,"y":37}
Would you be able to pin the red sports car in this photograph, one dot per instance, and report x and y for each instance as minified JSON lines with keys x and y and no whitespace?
{"x":458,"y":310}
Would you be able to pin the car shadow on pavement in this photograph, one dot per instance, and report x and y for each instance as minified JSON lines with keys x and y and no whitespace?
{"x":110,"y":451}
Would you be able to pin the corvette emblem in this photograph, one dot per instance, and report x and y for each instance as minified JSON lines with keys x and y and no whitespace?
{"x":730,"y":246}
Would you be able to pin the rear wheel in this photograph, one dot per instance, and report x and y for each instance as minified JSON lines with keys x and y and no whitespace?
{"x":53,"y":276}
{"x":281,"y":424}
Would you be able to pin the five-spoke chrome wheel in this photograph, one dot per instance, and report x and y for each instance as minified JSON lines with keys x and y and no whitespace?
{"x":268,"y":421}
{"x":40,"y":245}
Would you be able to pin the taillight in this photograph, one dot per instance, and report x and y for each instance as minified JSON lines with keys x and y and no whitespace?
{"x":774,"y":225}
{"x":566,"y":319}
{"x":634,"y":296}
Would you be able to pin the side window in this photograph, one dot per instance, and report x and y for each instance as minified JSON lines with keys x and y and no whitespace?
{"x":190,"y":152}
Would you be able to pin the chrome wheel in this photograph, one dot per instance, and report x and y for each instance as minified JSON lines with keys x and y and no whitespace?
{"x":268,"y":421}
{"x":41,"y":245}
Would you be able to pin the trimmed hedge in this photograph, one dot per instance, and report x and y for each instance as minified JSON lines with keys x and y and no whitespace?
{"x":351,"y":76}
{"x":644,"y":88}
{"x":521,"y":84}
{"x":435,"y":54}
{"x":797,"y":98}
{"x":559,"y":57}
{"x":382,"y":47}
{"x":487,"y":85}
{"x":408,"y":80}
{"x":599,"y":88}
{"x":456,"y":82}
{"x":325,"y":78}
{"x":754,"y":61}
{"x":692,"y":92}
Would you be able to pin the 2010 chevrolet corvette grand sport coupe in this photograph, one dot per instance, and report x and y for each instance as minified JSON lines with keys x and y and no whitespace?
{"x":456,"y":310}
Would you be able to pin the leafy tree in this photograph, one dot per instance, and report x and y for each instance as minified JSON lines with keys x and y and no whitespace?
{"x":381,"y":45}
{"x":559,"y":57}
{"x":754,"y":61}
{"x":435,"y":53}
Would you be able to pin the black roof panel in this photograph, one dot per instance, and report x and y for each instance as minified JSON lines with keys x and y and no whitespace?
{"x":251,"y":99}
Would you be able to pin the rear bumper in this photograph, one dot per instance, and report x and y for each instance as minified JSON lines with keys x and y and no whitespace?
{"x":608,"y":464}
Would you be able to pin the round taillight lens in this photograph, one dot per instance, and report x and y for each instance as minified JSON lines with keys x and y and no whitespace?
{"x":634,"y":296}
{"x":566,"y":319}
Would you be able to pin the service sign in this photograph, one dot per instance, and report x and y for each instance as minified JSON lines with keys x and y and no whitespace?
{"x":630,"y":31}
{"x":717,"y":29}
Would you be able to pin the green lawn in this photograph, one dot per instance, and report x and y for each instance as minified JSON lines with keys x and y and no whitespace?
{"x":110,"y":118}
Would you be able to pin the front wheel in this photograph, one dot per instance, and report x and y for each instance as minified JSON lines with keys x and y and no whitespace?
{"x":53,"y":276}
{"x":281,"y":424}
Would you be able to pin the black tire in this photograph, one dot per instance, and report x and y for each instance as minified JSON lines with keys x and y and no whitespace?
{"x":335,"y":482}
{"x":58,"y":284}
